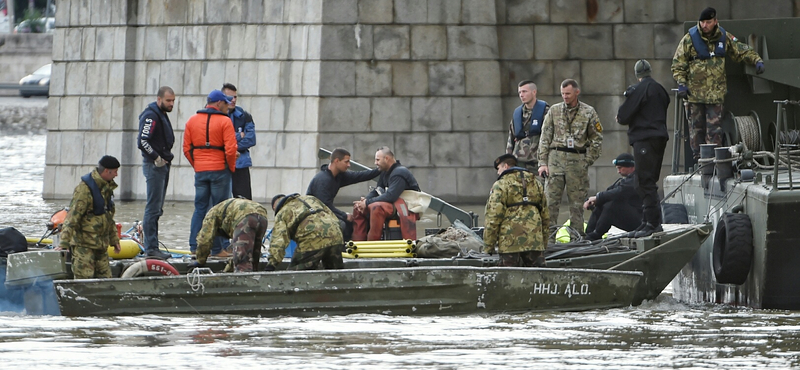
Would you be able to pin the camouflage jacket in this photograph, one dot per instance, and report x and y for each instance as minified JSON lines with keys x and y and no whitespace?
{"x":521,"y":227}
{"x":311,"y":231}
{"x":705,"y":78}
{"x":82,"y":228}
{"x":221,"y":219}
{"x":524,"y":149}
{"x":585,"y":129}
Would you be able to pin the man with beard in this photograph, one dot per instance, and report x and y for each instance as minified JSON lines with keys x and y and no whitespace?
{"x":699,"y":68}
{"x":155,"y":140}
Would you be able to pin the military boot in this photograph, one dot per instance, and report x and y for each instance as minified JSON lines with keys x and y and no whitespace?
{"x":648,"y":230}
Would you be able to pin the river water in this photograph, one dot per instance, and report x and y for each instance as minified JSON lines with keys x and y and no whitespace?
{"x":659,"y":334}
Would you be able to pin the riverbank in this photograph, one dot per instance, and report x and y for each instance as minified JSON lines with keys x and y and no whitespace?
{"x":20,"y":115}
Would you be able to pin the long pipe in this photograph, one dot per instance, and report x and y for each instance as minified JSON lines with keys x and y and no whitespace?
{"x":676,"y":145}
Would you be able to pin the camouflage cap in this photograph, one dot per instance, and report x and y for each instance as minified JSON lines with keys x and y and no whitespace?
{"x":503,"y":158}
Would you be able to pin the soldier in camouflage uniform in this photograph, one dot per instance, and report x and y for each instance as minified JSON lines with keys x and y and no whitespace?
{"x":517,"y":218}
{"x":699,"y":68}
{"x":571,"y":141}
{"x":89,"y":228}
{"x":526,"y":126}
{"x":307,"y":221}
{"x":242,"y":220}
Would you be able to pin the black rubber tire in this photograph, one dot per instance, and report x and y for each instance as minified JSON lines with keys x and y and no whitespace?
{"x":674,"y":213}
{"x":733,"y":248}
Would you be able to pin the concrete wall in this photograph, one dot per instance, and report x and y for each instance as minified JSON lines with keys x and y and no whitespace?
{"x":21,"y":54}
{"x":433,"y":79}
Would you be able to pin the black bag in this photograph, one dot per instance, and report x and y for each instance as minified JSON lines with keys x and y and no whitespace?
{"x":12,"y":241}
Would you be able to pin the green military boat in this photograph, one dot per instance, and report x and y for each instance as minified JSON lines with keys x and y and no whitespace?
{"x":398,"y":286}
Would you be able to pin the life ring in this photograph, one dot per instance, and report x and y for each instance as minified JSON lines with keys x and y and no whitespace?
{"x":143,"y":266}
{"x":733,"y":248}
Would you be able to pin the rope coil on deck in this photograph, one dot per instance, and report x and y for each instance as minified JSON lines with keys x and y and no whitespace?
{"x":748,"y":132}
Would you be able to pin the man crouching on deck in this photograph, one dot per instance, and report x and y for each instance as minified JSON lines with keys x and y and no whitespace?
{"x":242,"y":220}
{"x":517,"y":219}
{"x":307,"y":221}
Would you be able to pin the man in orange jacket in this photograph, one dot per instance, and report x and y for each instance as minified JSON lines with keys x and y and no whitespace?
{"x":209,"y":143}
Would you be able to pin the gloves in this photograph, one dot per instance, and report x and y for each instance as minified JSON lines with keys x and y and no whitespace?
{"x":683,"y":92}
{"x":760,"y":68}
{"x":160,"y":162}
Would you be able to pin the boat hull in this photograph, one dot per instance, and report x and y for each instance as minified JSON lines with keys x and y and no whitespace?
{"x":773,"y":215}
{"x":393,"y":291}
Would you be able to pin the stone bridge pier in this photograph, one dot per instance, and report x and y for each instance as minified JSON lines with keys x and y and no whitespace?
{"x":435,"y":80}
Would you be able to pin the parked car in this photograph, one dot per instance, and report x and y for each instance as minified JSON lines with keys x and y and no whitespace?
{"x":42,"y":25}
{"x":36,"y":83}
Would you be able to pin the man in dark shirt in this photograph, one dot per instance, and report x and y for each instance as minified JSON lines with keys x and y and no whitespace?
{"x":618,"y":206}
{"x":645,"y":114}
{"x":331,"y":177}
{"x":370,"y":213}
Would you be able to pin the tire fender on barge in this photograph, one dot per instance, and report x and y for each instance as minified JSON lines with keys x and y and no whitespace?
{"x":733,"y":248}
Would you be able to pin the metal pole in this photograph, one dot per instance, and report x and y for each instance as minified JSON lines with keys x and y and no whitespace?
{"x":676,"y":144}
{"x":777,"y":144}
{"x":10,"y":9}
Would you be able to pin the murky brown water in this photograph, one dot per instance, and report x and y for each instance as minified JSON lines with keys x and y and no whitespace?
{"x":661,"y":334}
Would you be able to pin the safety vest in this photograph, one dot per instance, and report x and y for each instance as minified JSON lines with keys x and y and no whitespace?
{"x":537,"y":117}
{"x":701,"y":47}
{"x":99,"y":205}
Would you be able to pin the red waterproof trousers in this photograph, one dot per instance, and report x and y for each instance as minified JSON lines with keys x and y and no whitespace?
{"x":375,"y":216}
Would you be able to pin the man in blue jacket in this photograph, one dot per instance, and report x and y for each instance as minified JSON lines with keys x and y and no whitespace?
{"x":155,"y":140}
{"x":619,"y":205}
{"x":246,"y":139}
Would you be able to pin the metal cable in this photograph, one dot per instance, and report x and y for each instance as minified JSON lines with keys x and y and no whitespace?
{"x":748,"y":132}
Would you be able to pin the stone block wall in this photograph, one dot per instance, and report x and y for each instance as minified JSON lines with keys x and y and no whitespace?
{"x":436,"y":80}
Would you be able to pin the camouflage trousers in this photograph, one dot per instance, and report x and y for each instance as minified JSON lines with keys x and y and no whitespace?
{"x":330,"y":257}
{"x":567,"y":170}
{"x":705,"y":122}
{"x":246,"y":242}
{"x":88,"y":263}
{"x":522,"y":259}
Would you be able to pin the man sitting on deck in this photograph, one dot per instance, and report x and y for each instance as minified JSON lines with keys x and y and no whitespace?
{"x":618,"y":206}
{"x":307,"y":221}
{"x":370,"y":213}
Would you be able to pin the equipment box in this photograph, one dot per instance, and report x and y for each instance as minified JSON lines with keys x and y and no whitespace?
{"x":27,"y":268}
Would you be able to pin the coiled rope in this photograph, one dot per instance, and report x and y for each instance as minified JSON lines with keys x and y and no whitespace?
{"x":194,"y":278}
{"x":748,"y":132}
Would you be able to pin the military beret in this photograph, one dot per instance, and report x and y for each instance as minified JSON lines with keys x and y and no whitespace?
{"x":503,"y":158}
{"x":109,"y":162}
{"x":708,"y":13}
{"x":624,"y":160}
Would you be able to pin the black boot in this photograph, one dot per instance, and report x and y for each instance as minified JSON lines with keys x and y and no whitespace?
{"x":157,"y":254}
{"x":633,"y":232}
{"x":648,"y":230}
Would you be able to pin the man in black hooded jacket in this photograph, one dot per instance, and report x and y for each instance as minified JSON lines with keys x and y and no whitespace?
{"x":332,"y":177}
{"x":645,"y":114}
